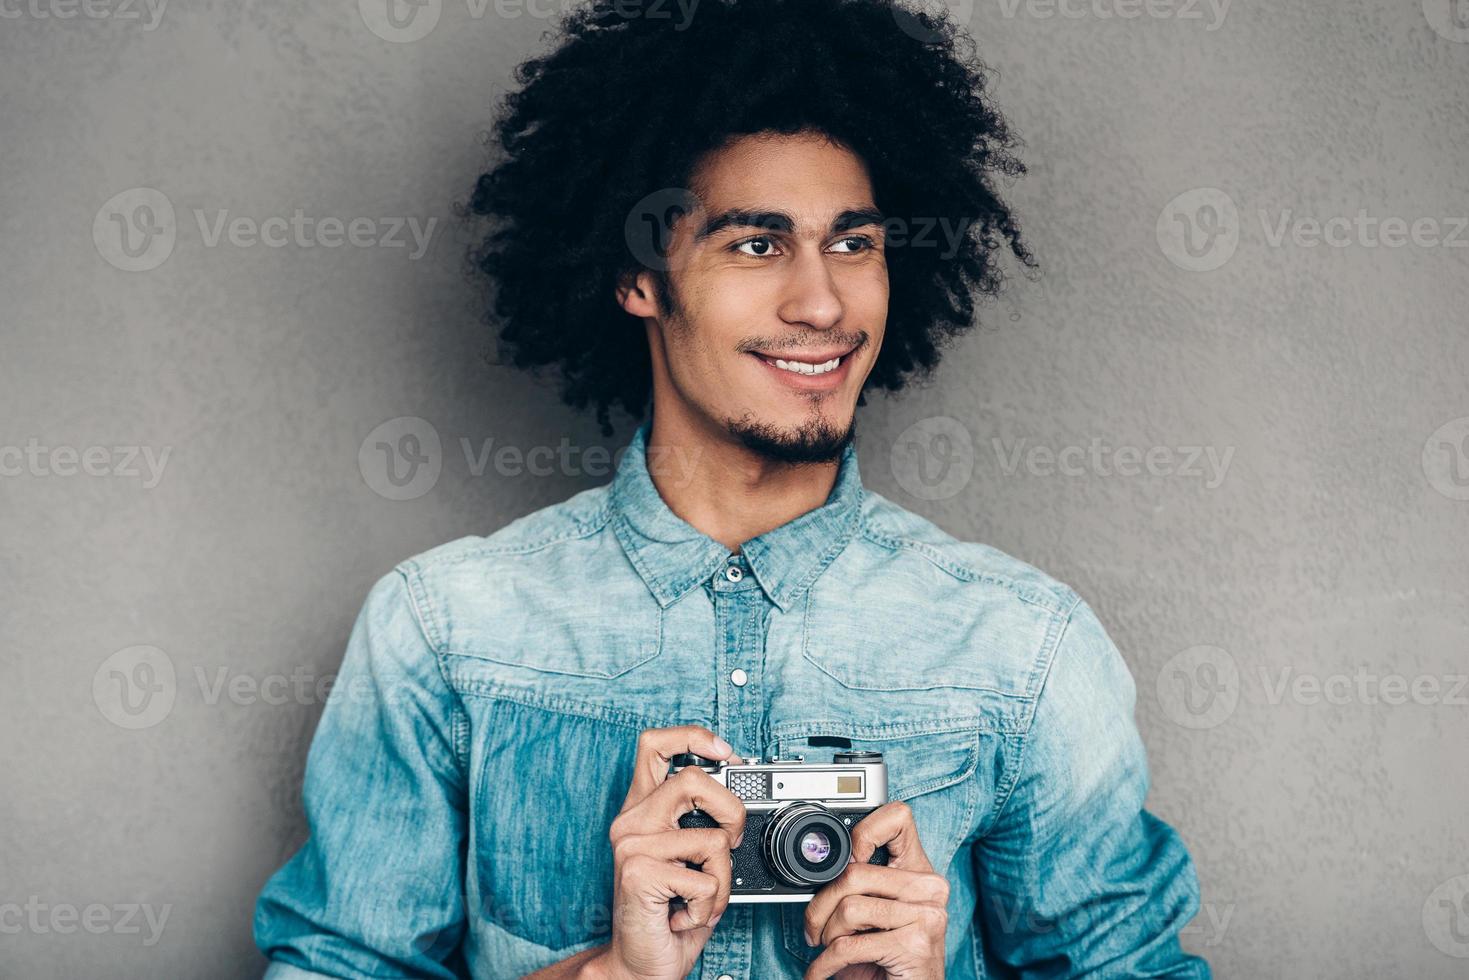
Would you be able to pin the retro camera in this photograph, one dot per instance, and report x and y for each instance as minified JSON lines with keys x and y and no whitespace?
{"x":798,"y":819}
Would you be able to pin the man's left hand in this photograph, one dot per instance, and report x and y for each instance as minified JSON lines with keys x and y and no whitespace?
{"x":881,"y":922}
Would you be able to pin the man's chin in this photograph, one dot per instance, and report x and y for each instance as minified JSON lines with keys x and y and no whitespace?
{"x":817,"y":441}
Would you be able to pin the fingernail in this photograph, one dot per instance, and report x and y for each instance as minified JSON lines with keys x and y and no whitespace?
{"x":809,"y":940}
{"x":738,"y":841}
{"x":721,"y":746}
{"x":715,"y":921}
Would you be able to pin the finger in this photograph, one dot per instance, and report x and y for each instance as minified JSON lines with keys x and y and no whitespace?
{"x":705,"y":846}
{"x":689,"y":789}
{"x":657,"y":746}
{"x":647,"y":884}
{"x":891,"y":824}
{"x":878,"y":881}
{"x":904,"y":951}
{"x":860,"y":913}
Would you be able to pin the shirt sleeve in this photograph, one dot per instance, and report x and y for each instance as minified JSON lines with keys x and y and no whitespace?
{"x":377,"y":889}
{"x":1075,"y":878}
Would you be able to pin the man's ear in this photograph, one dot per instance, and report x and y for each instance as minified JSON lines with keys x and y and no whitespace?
{"x":635,"y":294}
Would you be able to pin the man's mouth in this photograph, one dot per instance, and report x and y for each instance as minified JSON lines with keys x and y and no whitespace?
{"x":821,"y":362}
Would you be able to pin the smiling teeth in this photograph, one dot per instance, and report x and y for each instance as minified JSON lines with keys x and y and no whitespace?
{"x":800,"y":367}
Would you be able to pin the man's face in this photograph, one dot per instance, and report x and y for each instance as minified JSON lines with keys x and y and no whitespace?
{"x":779,"y":294}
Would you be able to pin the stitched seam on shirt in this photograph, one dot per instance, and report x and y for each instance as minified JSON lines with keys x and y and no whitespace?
{"x":578,"y":531}
{"x":890,"y":729}
{"x":849,"y":532}
{"x":422,"y":606}
{"x":623,"y":531}
{"x":806,"y":654}
{"x":1034,"y":596}
{"x":458,"y":722}
{"x":1050,"y":661}
{"x":615,"y":716}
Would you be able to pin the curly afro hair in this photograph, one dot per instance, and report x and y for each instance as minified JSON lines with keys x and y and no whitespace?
{"x":631,"y":98}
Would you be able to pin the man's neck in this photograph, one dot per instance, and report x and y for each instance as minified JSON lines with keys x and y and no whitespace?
{"x":724,"y":489}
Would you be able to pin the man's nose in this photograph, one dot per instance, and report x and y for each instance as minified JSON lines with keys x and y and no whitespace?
{"x":811,"y":298}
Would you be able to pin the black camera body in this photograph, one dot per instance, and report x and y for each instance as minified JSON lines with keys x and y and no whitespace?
{"x":798,"y":820}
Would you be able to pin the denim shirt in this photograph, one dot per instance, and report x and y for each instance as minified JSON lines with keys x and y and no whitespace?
{"x":481,"y":735}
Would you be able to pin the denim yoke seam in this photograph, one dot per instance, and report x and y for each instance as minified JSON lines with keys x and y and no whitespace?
{"x":1056,"y":632}
{"x":429,"y":626}
{"x":562,"y":706}
{"x":960,"y":570}
{"x":851,"y":531}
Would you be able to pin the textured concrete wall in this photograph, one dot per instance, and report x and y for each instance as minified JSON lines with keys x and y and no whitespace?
{"x":193,"y":503}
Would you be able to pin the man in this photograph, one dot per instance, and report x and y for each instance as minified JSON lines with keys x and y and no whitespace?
{"x":496,"y":799}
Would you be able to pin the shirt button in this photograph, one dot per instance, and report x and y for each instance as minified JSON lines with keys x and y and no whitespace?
{"x":739,"y":677}
{"x":733,"y":573}
{"x":725,"y":976}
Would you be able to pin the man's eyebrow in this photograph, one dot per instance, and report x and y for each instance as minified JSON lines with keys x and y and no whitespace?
{"x":781,"y":221}
{"x":859,"y":218}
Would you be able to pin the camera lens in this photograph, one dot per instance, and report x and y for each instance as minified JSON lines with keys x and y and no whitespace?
{"x":806,"y":845}
{"x":815,"y":847}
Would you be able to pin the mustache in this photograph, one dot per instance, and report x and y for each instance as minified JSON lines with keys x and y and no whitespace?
{"x":770,"y":345}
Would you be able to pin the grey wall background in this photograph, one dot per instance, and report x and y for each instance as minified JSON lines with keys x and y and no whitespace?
{"x":1179,"y":154}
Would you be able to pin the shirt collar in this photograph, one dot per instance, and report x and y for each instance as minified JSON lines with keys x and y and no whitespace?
{"x":672,"y":556}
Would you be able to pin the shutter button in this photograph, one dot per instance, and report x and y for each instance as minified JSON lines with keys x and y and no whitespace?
{"x":733,"y":573}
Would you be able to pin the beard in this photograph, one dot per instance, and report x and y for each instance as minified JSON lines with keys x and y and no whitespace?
{"x":816,"y":441}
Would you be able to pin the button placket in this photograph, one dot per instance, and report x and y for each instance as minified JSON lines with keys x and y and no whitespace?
{"x":740,"y":608}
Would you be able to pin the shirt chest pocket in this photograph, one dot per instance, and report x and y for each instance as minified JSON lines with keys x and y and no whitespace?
{"x":933,"y":772}
{"x":549,"y":784}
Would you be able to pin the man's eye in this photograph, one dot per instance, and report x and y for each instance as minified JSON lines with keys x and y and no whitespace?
{"x":758,"y":247}
{"x":860,"y":243}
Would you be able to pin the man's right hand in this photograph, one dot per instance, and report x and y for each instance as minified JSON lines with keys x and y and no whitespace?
{"x":648,"y":854}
